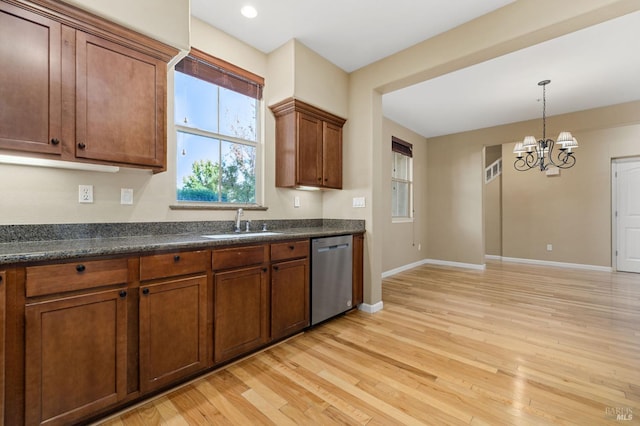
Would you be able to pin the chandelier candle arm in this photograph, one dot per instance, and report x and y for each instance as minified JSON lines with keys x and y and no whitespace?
{"x":532,"y":153}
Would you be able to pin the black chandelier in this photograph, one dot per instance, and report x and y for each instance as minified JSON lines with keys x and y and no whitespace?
{"x":532,"y":153}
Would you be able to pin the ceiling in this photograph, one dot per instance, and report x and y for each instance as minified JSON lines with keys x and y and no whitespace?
{"x":594,"y":67}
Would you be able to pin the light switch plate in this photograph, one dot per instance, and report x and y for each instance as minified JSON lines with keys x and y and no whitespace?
{"x":296,"y":201}
{"x":359,"y":202}
{"x":126,"y":196}
{"x":85,"y":193}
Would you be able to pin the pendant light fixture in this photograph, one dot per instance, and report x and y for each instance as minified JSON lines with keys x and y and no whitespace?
{"x":532,"y":153}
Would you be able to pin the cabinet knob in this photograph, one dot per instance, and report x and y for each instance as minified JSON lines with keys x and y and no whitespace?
{"x":55,"y":141}
{"x":0,"y":279}
{"x":123,"y":293}
{"x":176,"y":258}
{"x":80,"y":268}
{"x":264,"y":269}
{"x":81,"y":145}
{"x":276,"y":267}
{"x":319,"y":179}
{"x":145,"y":291}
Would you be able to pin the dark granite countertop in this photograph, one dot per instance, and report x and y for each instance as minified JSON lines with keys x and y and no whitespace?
{"x":27,"y":244}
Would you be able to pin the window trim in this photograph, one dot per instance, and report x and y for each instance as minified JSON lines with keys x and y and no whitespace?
{"x":231,"y":77}
{"x":404,"y":148}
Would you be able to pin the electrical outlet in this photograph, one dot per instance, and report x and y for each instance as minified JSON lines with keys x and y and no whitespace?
{"x":126,"y":196}
{"x":296,"y":201}
{"x":85,"y":193}
{"x":549,"y":247}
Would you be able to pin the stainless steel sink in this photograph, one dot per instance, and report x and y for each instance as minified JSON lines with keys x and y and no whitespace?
{"x":241,"y":235}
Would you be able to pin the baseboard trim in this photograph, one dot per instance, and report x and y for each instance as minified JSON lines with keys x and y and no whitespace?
{"x":391,"y":272}
{"x":456,"y":264}
{"x":436,"y":262}
{"x":552,"y":263}
{"x":370,"y":309}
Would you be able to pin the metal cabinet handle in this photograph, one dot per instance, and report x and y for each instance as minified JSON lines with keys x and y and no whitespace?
{"x":80,"y":268}
{"x":55,"y":141}
{"x":264,"y":269}
{"x":176,"y":258}
{"x":145,"y":291}
{"x":123,"y":293}
{"x":81,"y":145}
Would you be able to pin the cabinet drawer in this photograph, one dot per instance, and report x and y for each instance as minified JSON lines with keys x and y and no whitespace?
{"x":172,"y":264}
{"x":240,"y":256}
{"x":79,"y":275}
{"x":289,"y":250}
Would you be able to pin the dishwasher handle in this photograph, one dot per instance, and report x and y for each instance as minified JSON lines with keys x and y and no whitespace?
{"x":336,"y":247}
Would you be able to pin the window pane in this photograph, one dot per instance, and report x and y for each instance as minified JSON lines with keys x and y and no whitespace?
{"x":198,"y":168}
{"x":400,"y":199}
{"x":196,"y":103}
{"x":238,"y":115}
{"x":400,"y":166}
{"x":238,"y":173}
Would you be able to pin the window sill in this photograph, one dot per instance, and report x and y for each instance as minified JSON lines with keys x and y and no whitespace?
{"x":402,"y":220}
{"x":227,"y":207}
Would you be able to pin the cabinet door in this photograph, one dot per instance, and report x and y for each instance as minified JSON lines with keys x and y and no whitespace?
{"x":76,"y":356}
{"x":173,"y":327}
{"x":30,"y":86}
{"x":331,"y":156}
{"x":3,"y":298}
{"x":240,"y":312}
{"x":309,"y":164}
{"x":289,"y":297}
{"x":120,"y":104}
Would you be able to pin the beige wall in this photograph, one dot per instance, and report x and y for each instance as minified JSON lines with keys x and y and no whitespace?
{"x":163,"y":20}
{"x":404,"y":243}
{"x":493,"y":217}
{"x":571,"y":211}
{"x":492,"y":200}
{"x":455,"y":183}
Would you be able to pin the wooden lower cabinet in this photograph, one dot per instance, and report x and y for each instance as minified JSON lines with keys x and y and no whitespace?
{"x":76,"y":356}
{"x":173,"y":331}
{"x":3,"y":299}
{"x":241,"y":311}
{"x":289,"y":297}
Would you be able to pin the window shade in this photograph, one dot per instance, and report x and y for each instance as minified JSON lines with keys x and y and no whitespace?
{"x":213,"y":70}
{"x":402,"y":147}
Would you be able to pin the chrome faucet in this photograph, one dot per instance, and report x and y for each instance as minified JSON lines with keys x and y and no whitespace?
{"x":239,"y":214}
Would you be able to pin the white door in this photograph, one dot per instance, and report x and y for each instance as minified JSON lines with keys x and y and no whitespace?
{"x":628,"y":216}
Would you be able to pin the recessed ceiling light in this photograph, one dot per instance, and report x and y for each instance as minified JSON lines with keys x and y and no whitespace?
{"x":249,"y":11}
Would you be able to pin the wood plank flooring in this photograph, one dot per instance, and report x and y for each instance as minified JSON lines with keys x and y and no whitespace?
{"x":512,"y":345}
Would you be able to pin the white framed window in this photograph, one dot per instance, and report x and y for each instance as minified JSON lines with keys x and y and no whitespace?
{"x":218,"y":126}
{"x":401,"y":180}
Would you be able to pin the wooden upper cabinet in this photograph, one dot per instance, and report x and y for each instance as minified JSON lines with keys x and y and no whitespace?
{"x":30,"y":85}
{"x":80,"y":87}
{"x":308,"y":146}
{"x":120,"y":103}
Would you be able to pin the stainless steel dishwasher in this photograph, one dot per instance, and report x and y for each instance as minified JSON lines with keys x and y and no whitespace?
{"x":331,"y":276}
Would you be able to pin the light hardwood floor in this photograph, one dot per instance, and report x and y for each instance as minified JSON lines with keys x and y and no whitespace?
{"x":513,"y":345}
